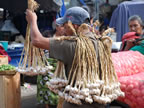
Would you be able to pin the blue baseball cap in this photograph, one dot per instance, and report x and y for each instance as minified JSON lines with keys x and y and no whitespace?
{"x":76,"y":15}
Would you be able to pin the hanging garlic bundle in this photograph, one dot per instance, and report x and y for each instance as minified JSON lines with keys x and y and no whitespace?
{"x":95,"y":28}
{"x":34,"y":61}
{"x":106,"y":32}
{"x":92,"y":77}
{"x":59,"y":80}
{"x":96,"y":24}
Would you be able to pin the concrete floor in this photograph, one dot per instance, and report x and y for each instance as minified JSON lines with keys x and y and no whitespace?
{"x":28,"y":97}
{"x":29,"y":93}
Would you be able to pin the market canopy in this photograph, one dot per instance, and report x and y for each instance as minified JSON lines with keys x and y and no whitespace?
{"x":19,"y":6}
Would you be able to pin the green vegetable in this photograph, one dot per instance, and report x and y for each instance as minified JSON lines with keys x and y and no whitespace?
{"x":6,"y":67}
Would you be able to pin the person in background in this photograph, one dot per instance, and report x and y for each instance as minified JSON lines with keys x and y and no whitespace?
{"x":59,"y":30}
{"x":62,"y":50}
{"x":44,"y":95}
{"x":129,"y":40}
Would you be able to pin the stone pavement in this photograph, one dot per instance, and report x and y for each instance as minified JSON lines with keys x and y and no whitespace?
{"x":28,"y":96}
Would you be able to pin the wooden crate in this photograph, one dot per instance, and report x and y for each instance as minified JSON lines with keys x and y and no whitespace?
{"x":10,"y":91}
{"x":3,"y":59}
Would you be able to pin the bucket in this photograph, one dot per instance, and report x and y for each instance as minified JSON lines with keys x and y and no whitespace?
{"x":4,"y":44}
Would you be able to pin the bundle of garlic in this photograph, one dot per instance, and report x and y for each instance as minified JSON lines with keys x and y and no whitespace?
{"x":108,"y":31}
{"x":59,"y":80}
{"x":96,"y":25}
{"x":92,"y":77}
{"x":34,"y":60}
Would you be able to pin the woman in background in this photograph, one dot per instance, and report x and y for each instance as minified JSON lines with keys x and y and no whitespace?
{"x":136,"y":31}
{"x":44,"y":95}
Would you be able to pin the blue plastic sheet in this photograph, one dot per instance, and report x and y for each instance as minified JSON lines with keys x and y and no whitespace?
{"x":119,"y":19}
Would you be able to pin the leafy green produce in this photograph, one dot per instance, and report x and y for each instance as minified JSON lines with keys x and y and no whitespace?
{"x":6,"y":67}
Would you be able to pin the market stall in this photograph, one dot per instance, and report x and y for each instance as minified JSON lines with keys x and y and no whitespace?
{"x":10,"y":94}
{"x":9,"y":85}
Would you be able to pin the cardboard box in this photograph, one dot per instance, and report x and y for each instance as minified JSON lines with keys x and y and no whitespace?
{"x":3,"y":59}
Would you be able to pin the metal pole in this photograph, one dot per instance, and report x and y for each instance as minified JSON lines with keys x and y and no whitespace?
{"x":97,"y":9}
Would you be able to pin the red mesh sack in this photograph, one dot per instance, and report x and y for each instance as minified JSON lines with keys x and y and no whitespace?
{"x":133,"y":86}
{"x":128,"y":63}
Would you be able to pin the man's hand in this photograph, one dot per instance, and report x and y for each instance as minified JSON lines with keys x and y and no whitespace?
{"x":31,"y":17}
{"x":36,"y":37}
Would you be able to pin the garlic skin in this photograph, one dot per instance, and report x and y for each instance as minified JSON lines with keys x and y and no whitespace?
{"x":61,"y":94}
{"x":122,"y":94}
{"x":68,"y":88}
{"x":95,"y":92}
{"x":34,"y":70}
{"x":81,"y":97}
{"x":89,"y":100}
{"x":49,"y":67}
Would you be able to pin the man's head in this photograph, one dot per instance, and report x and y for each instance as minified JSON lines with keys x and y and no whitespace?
{"x":135,"y":24}
{"x":76,"y":15}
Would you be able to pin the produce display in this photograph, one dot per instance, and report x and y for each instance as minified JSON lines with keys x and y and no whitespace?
{"x":128,"y":63}
{"x":133,"y":86}
{"x":6,"y":67}
{"x":129,"y":66}
{"x":7,"y":70}
{"x":92,"y":77}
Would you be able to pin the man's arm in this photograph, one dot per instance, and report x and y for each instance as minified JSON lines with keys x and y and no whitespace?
{"x":36,"y":37}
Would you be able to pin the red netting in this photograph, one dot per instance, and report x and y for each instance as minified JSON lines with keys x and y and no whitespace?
{"x":128,"y":63}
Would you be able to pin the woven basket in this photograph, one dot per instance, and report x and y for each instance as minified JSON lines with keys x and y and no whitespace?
{"x":8,"y":72}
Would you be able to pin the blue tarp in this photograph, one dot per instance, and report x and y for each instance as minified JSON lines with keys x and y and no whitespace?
{"x":63,"y":9}
{"x":82,"y":2}
{"x":119,"y":19}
